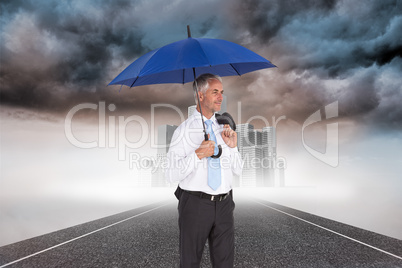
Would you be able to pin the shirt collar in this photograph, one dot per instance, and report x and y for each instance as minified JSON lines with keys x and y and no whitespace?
{"x":197,"y":114}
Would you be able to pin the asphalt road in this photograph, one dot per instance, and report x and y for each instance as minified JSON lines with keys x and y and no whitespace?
{"x":267,"y":235}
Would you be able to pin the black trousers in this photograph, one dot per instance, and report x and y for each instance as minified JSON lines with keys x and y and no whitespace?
{"x":201,"y":220}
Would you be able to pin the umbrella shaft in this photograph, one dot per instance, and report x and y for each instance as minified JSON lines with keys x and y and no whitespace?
{"x":199,"y":105}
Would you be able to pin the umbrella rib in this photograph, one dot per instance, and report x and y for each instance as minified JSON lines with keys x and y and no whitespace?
{"x":235,"y":69}
{"x":203,"y":51}
{"x":134,"y":82}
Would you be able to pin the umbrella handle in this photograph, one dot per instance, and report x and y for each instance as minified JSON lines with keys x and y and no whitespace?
{"x":219,"y":148}
{"x":219,"y":153}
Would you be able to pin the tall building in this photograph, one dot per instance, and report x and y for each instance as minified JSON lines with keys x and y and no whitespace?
{"x":269,"y":155}
{"x":254,"y":138}
{"x":246,"y":139}
{"x":243,"y":131}
{"x":258,"y":151}
{"x":165,"y":134}
{"x":269,"y":140}
{"x":252,"y":174}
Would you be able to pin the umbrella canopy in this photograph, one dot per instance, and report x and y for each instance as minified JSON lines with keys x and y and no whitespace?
{"x":183,"y":61}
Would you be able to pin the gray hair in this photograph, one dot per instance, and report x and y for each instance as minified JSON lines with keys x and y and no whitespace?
{"x":202,"y":82}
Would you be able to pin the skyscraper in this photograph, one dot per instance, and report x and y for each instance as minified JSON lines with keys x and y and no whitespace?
{"x":269,"y":140}
{"x":252,"y":174}
{"x":246,"y":142}
{"x":269,"y":155}
{"x":243,"y":131}
{"x":258,"y":151}
{"x":254,"y":138}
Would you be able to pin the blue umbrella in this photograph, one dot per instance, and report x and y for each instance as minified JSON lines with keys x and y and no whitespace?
{"x":183,"y":61}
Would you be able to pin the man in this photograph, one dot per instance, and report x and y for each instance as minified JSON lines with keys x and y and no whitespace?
{"x":205,"y":183}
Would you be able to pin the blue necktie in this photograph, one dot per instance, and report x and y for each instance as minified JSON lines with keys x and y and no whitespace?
{"x":214,"y":166}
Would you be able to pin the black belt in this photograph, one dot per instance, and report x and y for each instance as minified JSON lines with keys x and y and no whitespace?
{"x":219,"y":197}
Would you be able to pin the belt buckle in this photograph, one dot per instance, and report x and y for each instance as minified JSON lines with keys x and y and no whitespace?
{"x":221,"y":197}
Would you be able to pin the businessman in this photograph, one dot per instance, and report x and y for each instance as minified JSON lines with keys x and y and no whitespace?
{"x":205,"y":183}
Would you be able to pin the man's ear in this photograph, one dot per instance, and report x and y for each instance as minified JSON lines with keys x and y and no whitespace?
{"x":201,"y":96}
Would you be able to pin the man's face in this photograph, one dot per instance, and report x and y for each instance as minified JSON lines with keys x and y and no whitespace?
{"x":212,"y":99}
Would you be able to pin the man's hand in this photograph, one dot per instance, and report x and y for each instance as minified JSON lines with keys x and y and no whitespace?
{"x":206,"y":149}
{"x":229,"y":136}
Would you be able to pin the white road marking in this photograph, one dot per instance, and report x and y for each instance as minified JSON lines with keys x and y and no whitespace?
{"x":71,"y":240}
{"x":329,"y":230}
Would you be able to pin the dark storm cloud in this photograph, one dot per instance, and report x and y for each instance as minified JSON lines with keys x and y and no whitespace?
{"x":55,"y":54}
{"x":331,"y":35}
{"x":330,"y":50}
{"x":265,"y":18}
{"x":53,"y":51}
{"x":363,"y":98}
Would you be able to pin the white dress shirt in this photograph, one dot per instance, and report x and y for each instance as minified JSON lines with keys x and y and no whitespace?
{"x":191,"y":172}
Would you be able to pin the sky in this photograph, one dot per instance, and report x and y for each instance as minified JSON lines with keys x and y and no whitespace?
{"x":55,"y":55}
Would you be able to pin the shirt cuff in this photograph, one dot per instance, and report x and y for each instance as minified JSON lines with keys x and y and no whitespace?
{"x":234,"y":150}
